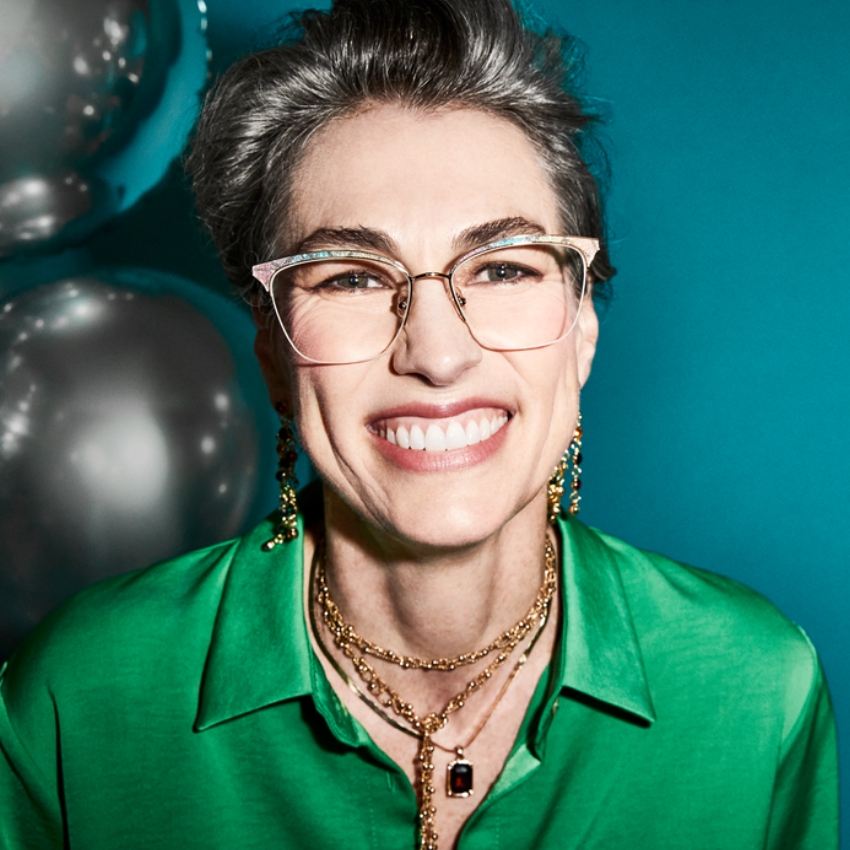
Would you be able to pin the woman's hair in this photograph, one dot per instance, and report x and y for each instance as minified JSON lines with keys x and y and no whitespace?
{"x":423,"y":54}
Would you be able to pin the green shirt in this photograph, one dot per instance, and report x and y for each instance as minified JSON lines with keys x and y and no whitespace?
{"x":182,"y":707}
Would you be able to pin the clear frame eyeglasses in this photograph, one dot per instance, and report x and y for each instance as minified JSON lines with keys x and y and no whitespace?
{"x":349,"y":306}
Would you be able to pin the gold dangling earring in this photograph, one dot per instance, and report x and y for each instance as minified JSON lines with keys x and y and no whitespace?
{"x":555,"y":490}
{"x":287,"y":454}
{"x":575,"y":473}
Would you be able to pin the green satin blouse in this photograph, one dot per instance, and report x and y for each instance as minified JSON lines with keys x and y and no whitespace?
{"x":182,"y":707}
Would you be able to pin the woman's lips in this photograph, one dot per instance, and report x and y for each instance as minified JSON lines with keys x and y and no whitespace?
{"x":444,"y":434}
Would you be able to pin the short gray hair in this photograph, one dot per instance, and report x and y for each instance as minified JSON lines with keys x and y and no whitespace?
{"x":425,"y":54}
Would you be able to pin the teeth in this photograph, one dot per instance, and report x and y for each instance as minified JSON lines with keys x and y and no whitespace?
{"x":417,"y":438}
{"x":435,"y":439}
{"x":455,"y":436}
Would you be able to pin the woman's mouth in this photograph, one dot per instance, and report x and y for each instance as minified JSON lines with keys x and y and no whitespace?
{"x":441,"y":435}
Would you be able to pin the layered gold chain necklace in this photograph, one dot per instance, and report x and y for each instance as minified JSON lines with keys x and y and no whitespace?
{"x":382,"y":696}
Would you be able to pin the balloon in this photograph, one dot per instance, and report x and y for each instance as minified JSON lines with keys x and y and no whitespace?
{"x":96,"y":98}
{"x":133,"y":426}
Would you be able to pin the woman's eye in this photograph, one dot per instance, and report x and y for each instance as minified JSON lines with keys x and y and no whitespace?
{"x":503,"y":273}
{"x":353,"y":281}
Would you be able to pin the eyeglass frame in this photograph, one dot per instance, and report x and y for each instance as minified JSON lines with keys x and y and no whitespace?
{"x":265,"y":273}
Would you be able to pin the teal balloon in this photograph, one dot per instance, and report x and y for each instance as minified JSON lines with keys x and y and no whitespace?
{"x":97,"y":97}
{"x":134,"y":425}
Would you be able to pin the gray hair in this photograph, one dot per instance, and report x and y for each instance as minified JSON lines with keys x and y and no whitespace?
{"x":424,"y":54}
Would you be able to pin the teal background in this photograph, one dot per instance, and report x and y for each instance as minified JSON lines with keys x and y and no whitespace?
{"x":716,"y":414}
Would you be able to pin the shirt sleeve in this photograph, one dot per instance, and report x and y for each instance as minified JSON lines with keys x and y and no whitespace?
{"x":30,"y":809}
{"x":804,"y":814}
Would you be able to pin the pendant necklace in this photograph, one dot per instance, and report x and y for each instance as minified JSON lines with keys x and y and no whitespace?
{"x":382,"y":696}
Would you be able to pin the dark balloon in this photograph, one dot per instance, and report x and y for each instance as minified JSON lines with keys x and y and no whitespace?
{"x":96,"y":98}
{"x":132,"y":428}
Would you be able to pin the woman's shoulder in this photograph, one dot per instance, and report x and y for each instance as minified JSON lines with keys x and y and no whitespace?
{"x":671,"y":587}
{"x":125,"y":626}
{"x":698,"y":624}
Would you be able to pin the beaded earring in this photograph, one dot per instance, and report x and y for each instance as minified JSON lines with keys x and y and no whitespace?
{"x":287,"y":527}
{"x":571,"y":457}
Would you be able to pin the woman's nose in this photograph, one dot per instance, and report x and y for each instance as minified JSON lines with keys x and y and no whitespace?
{"x":435,"y":341}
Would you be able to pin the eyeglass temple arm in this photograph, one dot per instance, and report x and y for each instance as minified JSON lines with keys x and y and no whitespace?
{"x":263,"y":273}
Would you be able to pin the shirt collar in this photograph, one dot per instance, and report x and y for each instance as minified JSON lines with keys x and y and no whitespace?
{"x":260,"y":650}
{"x":600,"y":654}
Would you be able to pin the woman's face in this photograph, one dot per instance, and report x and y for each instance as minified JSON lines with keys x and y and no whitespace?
{"x":424,"y":181}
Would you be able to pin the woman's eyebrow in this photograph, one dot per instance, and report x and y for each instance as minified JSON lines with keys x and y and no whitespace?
{"x":365,"y":238}
{"x":490,"y":231}
{"x":370,"y":239}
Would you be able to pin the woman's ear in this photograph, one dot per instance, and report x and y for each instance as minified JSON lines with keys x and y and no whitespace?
{"x":587,"y":333}
{"x":270,"y":350}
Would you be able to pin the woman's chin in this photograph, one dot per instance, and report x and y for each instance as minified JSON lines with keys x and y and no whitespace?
{"x":443,"y":534}
{"x":454,"y":520}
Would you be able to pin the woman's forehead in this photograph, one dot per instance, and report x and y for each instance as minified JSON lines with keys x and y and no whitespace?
{"x":412,"y":172}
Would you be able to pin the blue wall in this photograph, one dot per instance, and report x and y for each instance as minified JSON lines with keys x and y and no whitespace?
{"x":716,"y":416}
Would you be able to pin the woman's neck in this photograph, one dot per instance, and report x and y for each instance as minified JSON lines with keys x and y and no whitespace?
{"x":432,"y":602}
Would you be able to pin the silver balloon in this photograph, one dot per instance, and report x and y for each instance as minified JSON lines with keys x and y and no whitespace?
{"x":35,"y":210}
{"x":78,"y":79}
{"x":124,"y":437}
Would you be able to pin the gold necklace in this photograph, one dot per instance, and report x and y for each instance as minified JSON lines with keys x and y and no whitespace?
{"x":506,"y":641}
{"x":460,"y":770}
{"x":458,"y":780}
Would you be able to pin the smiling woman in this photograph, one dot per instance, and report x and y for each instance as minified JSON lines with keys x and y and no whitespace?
{"x":419,"y":650}
{"x":358,"y":175}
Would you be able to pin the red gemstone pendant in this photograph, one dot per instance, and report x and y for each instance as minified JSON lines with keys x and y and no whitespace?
{"x":459,"y":778}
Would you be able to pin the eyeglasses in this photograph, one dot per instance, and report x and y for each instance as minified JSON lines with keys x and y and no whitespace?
{"x":349,"y":306}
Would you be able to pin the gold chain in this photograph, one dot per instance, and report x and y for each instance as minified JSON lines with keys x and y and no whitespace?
{"x":507,"y":683}
{"x":348,"y":641}
{"x":508,"y":640}
{"x":377,"y":708}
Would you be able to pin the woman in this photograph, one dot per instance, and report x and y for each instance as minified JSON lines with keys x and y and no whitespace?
{"x":419,"y":649}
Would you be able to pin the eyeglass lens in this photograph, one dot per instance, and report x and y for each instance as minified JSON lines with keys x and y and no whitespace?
{"x":351,"y":310}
